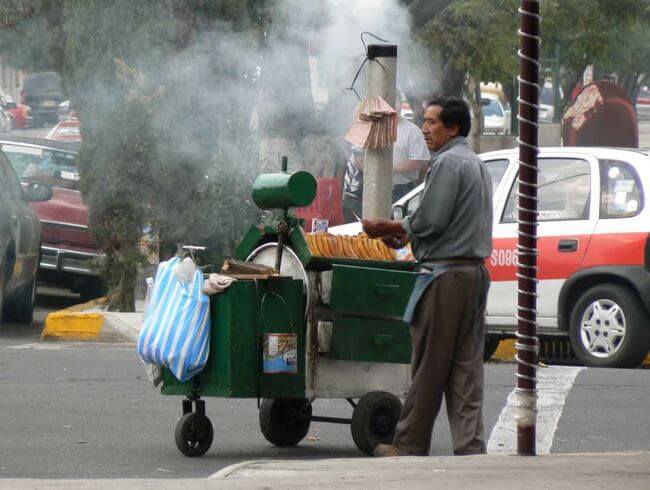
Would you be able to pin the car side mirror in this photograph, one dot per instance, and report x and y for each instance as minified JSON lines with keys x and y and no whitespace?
{"x":36,"y":192}
{"x":485,"y":102}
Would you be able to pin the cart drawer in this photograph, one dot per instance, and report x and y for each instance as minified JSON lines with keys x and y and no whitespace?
{"x":362,"y":291}
{"x":359,"y":339}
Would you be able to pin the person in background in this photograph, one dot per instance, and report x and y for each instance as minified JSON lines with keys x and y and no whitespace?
{"x":410,"y":157}
{"x":353,"y":185}
{"x":451,"y":235}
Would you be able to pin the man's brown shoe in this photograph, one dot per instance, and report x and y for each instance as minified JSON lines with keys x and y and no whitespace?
{"x":385,"y":451}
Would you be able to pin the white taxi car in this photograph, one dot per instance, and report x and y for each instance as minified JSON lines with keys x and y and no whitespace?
{"x":594,"y":250}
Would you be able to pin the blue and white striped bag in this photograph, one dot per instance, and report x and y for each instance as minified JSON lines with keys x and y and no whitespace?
{"x":176,"y":328}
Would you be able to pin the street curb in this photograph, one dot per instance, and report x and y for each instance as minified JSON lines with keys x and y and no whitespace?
{"x":87,"y":321}
{"x":224,"y":473}
{"x":506,"y":352}
{"x":73,"y":325}
{"x":126,"y":331}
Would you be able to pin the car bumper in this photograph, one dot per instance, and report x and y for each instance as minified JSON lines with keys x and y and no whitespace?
{"x":69,"y":261}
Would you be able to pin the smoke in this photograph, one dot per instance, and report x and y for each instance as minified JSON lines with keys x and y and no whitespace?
{"x":236,"y":101}
{"x":238,"y":93}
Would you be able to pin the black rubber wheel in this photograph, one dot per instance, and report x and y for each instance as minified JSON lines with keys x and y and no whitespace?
{"x":193,"y":434}
{"x":374,"y":420}
{"x":491,"y":346}
{"x":285,"y":422}
{"x":609,"y":328}
{"x":21,"y":307}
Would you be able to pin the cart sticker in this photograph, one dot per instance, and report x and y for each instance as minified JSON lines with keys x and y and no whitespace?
{"x":318,"y":224}
{"x":280,"y":353}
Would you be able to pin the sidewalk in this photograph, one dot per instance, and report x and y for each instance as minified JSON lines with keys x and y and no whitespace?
{"x":629,"y":471}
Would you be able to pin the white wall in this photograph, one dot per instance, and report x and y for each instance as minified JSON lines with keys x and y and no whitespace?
{"x":11,"y":80}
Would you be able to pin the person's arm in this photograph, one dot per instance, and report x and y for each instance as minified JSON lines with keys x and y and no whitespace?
{"x":434,"y":213}
{"x":359,"y":159}
{"x":408,"y":166}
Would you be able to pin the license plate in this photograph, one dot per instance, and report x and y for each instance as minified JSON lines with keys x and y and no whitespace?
{"x":49,"y":103}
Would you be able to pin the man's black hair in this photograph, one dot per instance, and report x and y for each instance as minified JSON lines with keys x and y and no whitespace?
{"x":455,"y":112}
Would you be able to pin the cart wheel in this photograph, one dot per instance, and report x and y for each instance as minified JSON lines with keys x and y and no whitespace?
{"x":193,"y":434}
{"x":374,"y":420}
{"x":285,"y":422}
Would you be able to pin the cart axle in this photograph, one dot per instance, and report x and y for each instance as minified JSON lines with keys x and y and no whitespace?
{"x":331,"y":420}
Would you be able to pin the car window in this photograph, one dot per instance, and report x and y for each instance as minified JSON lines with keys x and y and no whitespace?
{"x":8,"y":181}
{"x":492,"y":109}
{"x":621,"y":195}
{"x":496,"y":168}
{"x":564,"y":189}
{"x":46,"y":82}
{"x":45,"y":166}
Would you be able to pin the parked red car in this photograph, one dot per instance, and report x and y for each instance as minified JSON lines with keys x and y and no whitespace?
{"x":21,"y":114}
{"x":68,"y":249}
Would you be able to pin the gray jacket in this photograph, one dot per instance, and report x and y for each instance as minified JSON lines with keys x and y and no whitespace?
{"x":454,"y":219}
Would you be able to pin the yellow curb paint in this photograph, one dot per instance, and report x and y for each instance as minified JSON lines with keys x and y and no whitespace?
{"x":67,"y":324}
{"x":506,"y":350}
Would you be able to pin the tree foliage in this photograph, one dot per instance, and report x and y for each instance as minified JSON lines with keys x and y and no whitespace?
{"x":165,"y":98}
{"x":477,"y":39}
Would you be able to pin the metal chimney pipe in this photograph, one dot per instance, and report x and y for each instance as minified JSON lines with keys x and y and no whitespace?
{"x":378,"y":166}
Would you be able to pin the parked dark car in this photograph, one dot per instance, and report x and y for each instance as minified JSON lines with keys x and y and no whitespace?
{"x":68,"y":250}
{"x":42,"y":92}
{"x":20,"y":236}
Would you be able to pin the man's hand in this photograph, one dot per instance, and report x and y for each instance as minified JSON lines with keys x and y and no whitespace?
{"x":395,"y":241}
{"x":382,"y":227}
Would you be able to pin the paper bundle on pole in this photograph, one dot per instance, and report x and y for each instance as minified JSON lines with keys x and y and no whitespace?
{"x":375,"y":126}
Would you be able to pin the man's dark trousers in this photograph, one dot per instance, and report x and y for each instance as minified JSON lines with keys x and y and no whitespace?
{"x":448,"y":335}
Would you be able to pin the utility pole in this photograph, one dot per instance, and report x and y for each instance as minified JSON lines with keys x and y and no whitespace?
{"x":527,"y":344}
{"x":378,"y":165}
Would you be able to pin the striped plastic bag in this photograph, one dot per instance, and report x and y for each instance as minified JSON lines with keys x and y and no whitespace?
{"x":176,"y":328}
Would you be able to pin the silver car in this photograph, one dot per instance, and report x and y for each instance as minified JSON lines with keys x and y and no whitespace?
{"x":20,"y":236}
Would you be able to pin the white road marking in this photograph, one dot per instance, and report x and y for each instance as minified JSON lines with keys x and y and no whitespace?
{"x":553,"y":385}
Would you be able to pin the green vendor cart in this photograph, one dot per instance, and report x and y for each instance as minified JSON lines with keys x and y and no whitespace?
{"x":322,"y":328}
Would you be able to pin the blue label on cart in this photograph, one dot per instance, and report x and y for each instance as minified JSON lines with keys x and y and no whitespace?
{"x":280,"y":353}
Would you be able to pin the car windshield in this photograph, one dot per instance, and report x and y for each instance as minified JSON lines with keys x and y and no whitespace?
{"x":46,"y":166}
{"x":492,"y":109}
{"x":43,"y":83}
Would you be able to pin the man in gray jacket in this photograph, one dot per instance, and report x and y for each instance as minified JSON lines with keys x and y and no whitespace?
{"x":451,"y":235}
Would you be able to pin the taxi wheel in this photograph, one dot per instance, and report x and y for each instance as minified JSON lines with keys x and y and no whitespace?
{"x":193,"y":434}
{"x":609,"y":328}
{"x":285,"y":422}
{"x":374,"y":420}
{"x":491,"y":346}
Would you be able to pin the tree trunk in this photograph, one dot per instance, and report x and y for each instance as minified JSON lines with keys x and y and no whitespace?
{"x":453,"y":80}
